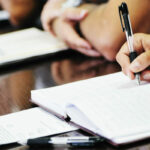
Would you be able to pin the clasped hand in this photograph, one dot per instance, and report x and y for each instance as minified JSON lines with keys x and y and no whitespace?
{"x":62,"y":24}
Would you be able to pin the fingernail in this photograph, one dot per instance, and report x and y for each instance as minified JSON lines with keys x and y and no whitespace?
{"x":146,"y":77}
{"x":135,"y":66}
{"x":83,"y":12}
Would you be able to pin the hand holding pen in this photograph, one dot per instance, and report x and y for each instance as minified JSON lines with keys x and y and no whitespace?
{"x":140,"y":64}
{"x":126,"y":26}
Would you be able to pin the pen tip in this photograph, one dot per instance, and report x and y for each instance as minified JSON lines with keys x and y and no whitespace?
{"x":138,"y":79}
{"x":138,"y":82}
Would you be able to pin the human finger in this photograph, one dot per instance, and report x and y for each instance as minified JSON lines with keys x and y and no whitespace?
{"x":89,"y":52}
{"x":74,"y":14}
{"x":47,"y":19}
{"x":124,"y":61}
{"x":145,"y":75}
{"x":73,"y":40}
{"x":141,"y":62}
{"x":83,"y":47}
{"x":141,"y":43}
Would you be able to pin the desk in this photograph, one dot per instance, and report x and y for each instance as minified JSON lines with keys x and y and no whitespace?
{"x":16,"y":83}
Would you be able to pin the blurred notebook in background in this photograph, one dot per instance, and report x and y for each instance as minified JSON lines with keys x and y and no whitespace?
{"x":27,"y":43}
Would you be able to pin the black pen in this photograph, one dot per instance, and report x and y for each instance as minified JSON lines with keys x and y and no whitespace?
{"x":81,"y":141}
{"x":124,"y":14}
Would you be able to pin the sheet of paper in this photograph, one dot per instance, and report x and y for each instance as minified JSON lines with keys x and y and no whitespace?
{"x":118,"y":107}
{"x":31,"y":123}
{"x":68,"y":93}
{"x":27,"y":43}
{"x":118,"y":113}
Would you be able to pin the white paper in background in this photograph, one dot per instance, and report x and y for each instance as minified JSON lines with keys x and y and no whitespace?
{"x":4,"y":15}
{"x":31,"y":123}
{"x":27,"y":43}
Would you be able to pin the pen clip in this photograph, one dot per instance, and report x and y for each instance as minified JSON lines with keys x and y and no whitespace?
{"x":120,"y":14}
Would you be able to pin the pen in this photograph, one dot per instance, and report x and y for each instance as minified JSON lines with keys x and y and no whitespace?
{"x":81,"y":141}
{"x":124,"y":14}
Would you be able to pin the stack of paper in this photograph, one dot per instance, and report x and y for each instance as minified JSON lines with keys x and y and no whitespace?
{"x":27,"y":43}
{"x":110,"y":106}
{"x":28,"y":124}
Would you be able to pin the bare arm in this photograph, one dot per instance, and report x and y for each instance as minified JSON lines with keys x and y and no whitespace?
{"x":63,"y":23}
{"x":103,"y":30}
{"x":19,"y":10}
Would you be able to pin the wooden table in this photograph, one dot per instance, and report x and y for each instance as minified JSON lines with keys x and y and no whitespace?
{"x":17,"y":80}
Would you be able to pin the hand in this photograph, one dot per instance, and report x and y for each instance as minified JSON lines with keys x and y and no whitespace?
{"x":140,"y":64}
{"x":103,"y":30}
{"x":63,"y":25}
{"x":51,"y":11}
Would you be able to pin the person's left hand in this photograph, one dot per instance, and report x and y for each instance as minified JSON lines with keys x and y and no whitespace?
{"x":64,"y":28}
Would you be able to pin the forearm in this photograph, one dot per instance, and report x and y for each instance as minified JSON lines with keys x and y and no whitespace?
{"x":57,"y":21}
{"x":88,"y":6}
{"x":54,"y":3}
{"x":19,"y":9}
{"x":102,"y":27}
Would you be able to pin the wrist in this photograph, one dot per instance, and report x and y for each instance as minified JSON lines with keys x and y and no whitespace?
{"x":89,"y":7}
{"x":52,"y":3}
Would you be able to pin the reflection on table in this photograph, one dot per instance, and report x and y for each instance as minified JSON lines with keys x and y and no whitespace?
{"x":15,"y":87}
{"x":68,"y":70}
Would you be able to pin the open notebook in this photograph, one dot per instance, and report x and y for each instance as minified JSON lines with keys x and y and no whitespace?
{"x":27,"y":43}
{"x":110,"y":106}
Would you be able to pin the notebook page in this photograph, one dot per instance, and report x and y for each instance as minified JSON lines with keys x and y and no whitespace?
{"x":79,"y":118}
{"x":68,"y":93}
{"x":31,"y":123}
{"x":118,"y":113}
{"x":27,"y":43}
{"x":109,"y":102}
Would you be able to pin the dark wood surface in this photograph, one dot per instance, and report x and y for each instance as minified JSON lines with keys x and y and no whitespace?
{"x":17,"y":80}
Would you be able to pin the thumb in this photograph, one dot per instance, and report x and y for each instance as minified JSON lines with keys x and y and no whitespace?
{"x":75,"y":14}
{"x":141,"y":62}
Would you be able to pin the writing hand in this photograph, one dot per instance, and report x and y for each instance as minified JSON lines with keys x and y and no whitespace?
{"x":140,"y":64}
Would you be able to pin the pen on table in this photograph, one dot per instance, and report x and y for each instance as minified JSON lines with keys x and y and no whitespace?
{"x":124,"y":14}
{"x":81,"y":141}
